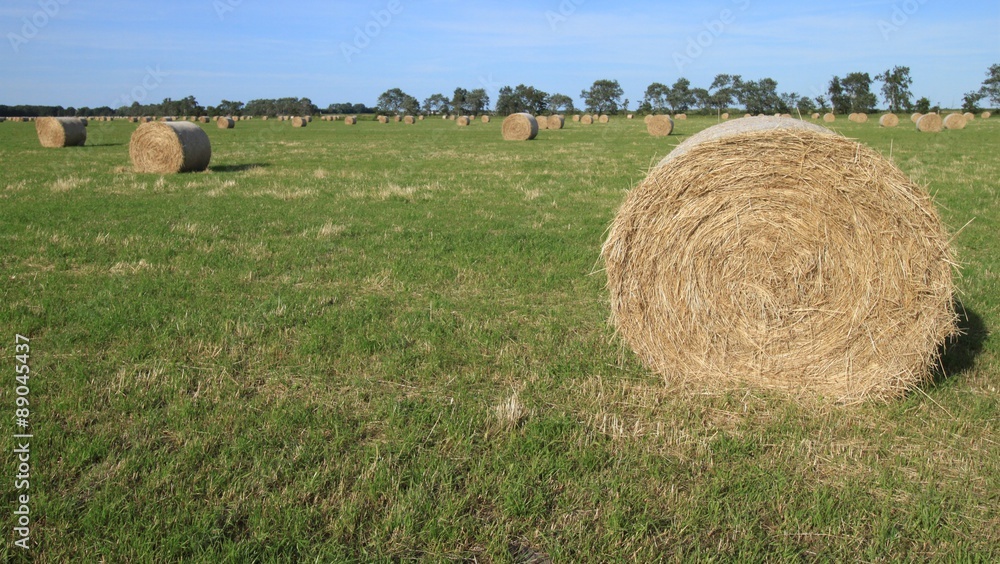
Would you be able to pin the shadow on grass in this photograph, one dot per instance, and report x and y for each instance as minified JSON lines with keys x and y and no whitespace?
{"x":238,"y":168}
{"x":960,"y":352}
{"x":104,"y":145}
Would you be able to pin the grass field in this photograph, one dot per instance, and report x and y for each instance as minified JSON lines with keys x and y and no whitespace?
{"x":390,"y":342}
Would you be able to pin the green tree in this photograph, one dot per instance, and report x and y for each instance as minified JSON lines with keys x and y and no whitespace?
{"x":839,"y":101}
{"x":680,"y":97}
{"x":560,"y":104}
{"x":655,"y":98}
{"x":521,"y":99}
{"x":227,"y":108}
{"x":923,"y":105}
{"x":820,"y":103}
{"x":477,"y":101}
{"x":857,"y":87}
{"x":896,"y":88}
{"x":458,"y":101}
{"x":970,"y":101}
{"x":991,"y":86}
{"x":723,"y":90}
{"x":437,"y":104}
{"x":393,"y":101}
{"x":604,"y":96}
{"x":760,"y":96}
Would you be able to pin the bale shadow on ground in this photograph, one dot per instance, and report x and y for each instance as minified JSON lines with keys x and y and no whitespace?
{"x":238,"y":168}
{"x":960,"y":352}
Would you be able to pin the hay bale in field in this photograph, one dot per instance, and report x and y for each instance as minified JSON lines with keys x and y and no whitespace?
{"x":299,"y":121}
{"x":916,"y":116}
{"x":61,"y":131}
{"x":396,"y":119}
{"x":264,"y":118}
{"x":815,"y":115}
{"x":167,"y":148}
{"x":659,"y":126}
{"x":519,"y":127}
{"x":829,"y":117}
{"x":888,"y":120}
{"x":543,"y":122}
{"x":576,"y":117}
{"x":350,"y":120}
{"x":725,"y":116}
{"x":954,"y":121}
{"x":225,"y":122}
{"x":930,"y":123}
{"x":420,"y":118}
{"x":462,"y":121}
{"x":603,"y":119}
{"x":485,"y":119}
{"x":681,"y":116}
{"x":647,"y":118}
{"x":586,"y":119}
{"x":555,"y":122}
{"x":986,"y":115}
{"x":969,"y":116}
{"x":204,"y":119}
{"x":629,"y":116}
{"x":862,"y":118}
{"x":382,"y":119}
{"x":747,"y":115}
{"x":776,"y":253}
{"x":408,"y":120}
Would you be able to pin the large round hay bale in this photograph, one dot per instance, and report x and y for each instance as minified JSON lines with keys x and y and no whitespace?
{"x":225,"y":122}
{"x":519,"y":127}
{"x":60,"y":131}
{"x":681,"y":116}
{"x":576,"y":117}
{"x":829,"y":117}
{"x":485,"y":119}
{"x":775,"y":253}
{"x":969,"y":116}
{"x":204,"y":119}
{"x":383,"y":119}
{"x":929,"y":123}
{"x":408,"y":120}
{"x":888,"y":120}
{"x":916,"y":116}
{"x":299,"y":121}
{"x":815,"y":115}
{"x":986,"y":115}
{"x":462,"y":121}
{"x":630,"y":116}
{"x":420,"y":118}
{"x":396,"y":119}
{"x":350,"y":120}
{"x":658,"y":126}
{"x":954,"y":121}
{"x":555,"y":122}
{"x":647,"y":118}
{"x":166,"y":148}
{"x":543,"y":122}
{"x":725,"y":116}
{"x":586,"y":119}
{"x":603,"y":119}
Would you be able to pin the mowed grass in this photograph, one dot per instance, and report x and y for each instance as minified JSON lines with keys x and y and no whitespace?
{"x":390,"y":342}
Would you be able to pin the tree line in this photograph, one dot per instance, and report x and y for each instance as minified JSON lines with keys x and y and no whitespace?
{"x":849,"y":94}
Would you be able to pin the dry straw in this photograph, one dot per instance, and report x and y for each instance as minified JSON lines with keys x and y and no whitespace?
{"x":462,"y":121}
{"x":929,"y":123}
{"x":888,"y":120}
{"x":815,"y":115}
{"x":954,"y":121}
{"x":775,"y":253}
{"x":576,"y":117}
{"x":543,"y":122}
{"x":914,"y":117}
{"x":350,"y":120}
{"x":225,"y":123}
{"x":829,"y":117}
{"x":630,"y":116}
{"x":725,"y":116}
{"x":659,"y":126}
{"x":681,"y":116}
{"x":969,"y":116}
{"x":60,"y":131}
{"x":299,"y":122}
{"x":485,"y":119}
{"x":166,"y":148}
{"x":555,"y":122}
{"x":519,"y":127}
{"x":408,"y":120}
{"x":586,"y":119}
{"x":603,"y":119}
{"x":986,"y":115}
{"x":383,"y":119}
{"x":204,"y":119}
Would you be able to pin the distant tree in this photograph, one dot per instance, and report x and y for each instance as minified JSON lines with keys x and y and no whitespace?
{"x":896,"y":88}
{"x":458,"y":101}
{"x":521,"y":99}
{"x":680,"y":98}
{"x":702,"y":99}
{"x":839,"y":101}
{"x":922,"y":106}
{"x":437,"y":104}
{"x":970,"y":101}
{"x":820,"y":103}
{"x":655,"y":99}
{"x":393,"y":101}
{"x":760,"y":96}
{"x":805,"y":105}
{"x":225,"y":107}
{"x":411,"y":106}
{"x":604,"y":96}
{"x":857,"y":87}
{"x":725,"y":88}
{"x":477,"y":101}
{"x":991,"y":86}
{"x":560,"y":103}
{"x":787,"y":102}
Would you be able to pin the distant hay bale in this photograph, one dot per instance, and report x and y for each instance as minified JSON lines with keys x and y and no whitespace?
{"x":408,"y":120}
{"x":660,"y":125}
{"x":555,"y":122}
{"x":307,"y":118}
{"x":485,"y":119}
{"x":681,"y":116}
{"x":888,"y":120}
{"x":576,"y":117}
{"x":829,"y":117}
{"x":747,"y":115}
{"x":786,"y":115}
{"x":586,"y":119}
{"x":954,"y":121}
{"x":862,"y":118}
{"x":396,"y":119}
{"x":986,"y":115}
{"x":204,"y":119}
{"x":725,"y":115}
{"x":916,"y":116}
{"x":225,"y":122}
{"x":61,"y":131}
{"x":265,"y":118}
{"x":383,"y":119}
{"x":629,"y":116}
{"x":167,"y":148}
{"x":969,"y":116}
{"x":462,"y":121}
{"x":815,"y":115}
{"x":930,"y":123}
{"x":543,"y":122}
{"x":519,"y":127}
{"x":350,"y":120}
{"x":420,"y":118}
{"x":299,"y":121}
{"x":778,"y":254}
{"x":603,"y":119}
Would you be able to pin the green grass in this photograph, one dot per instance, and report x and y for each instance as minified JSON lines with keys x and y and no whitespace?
{"x":389,"y":342}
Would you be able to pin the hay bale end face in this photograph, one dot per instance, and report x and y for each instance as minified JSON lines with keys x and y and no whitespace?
{"x":299,"y":121}
{"x":659,"y":126}
{"x":929,"y":123}
{"x":542,"y":121}
{"x":169,"y":147}
{"x":462,"y":121}
{"x":954,"y":121}
{"x":775,"y":253}
{"x":586,"y":119}
{"x":225,"y":123}
{"x":969,"y":116}
{"x":603,"y":119}
{"x":576,"y":117}
{"x":888,"y":120}
{"x":986,"y":115}
{"x":725,"y":116}
{"x":61,"y":131}
{"x":916,"y":116}
{"x":519,"y":127}
{"x":485,"y":119}
{"x":408,"y":120}
{"x":555,"y":122}
{"x":815,"y":115}
{"x":829,"y":118}
{"x":350,"y":120}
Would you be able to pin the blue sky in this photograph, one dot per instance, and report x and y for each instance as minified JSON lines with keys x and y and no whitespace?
{"x":85,"y":53}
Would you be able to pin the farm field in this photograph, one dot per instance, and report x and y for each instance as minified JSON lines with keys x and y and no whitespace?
{"x":390,"y":342}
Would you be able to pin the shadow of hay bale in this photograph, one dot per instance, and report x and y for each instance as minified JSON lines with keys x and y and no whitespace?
{"x":960,"y":352}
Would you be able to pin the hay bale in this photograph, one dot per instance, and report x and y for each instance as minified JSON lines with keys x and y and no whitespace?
{"x":519,"y":127}
{"x":815,"y":115}
{"x":954,"y":121}
{"x":225,"y":122}
{"x":630,"y":116}
{"x":576,"y":117}
{"x":264,"y":118}
{"x":396,"y":119}
{"x":350,"y":120}
{"x":725,"y":116}
{"x":555,"y":122}
{"x":986,"y":115}
{"x":888,"y":120}
{"x":647,"y":118}
{"x":775,"y":253}
{"x":929,"y":123}
{"x":862,"y":118}
{"x":916,"y":116}
{"x":462,"y":121}
{"x":408,"y":120}
{"x":167,"y":148}
{"x":586,"y":119}
{"x":659,"y":126}
{"x":485,"y":119}
{"x":829,"y":117}
{"x":603,"y":119}
{"x":969,"y":116}
{"x":299,"y":121}
{"x":681,"y":116}
{"x":61,"y":131}
{"x":420,"y":118}
{"x":747,"y":115}
{"x":543,"y":122}
{"x":383,"y":119}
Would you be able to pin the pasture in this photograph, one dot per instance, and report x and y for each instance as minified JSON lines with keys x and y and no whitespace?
{"x":390,"y":342}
